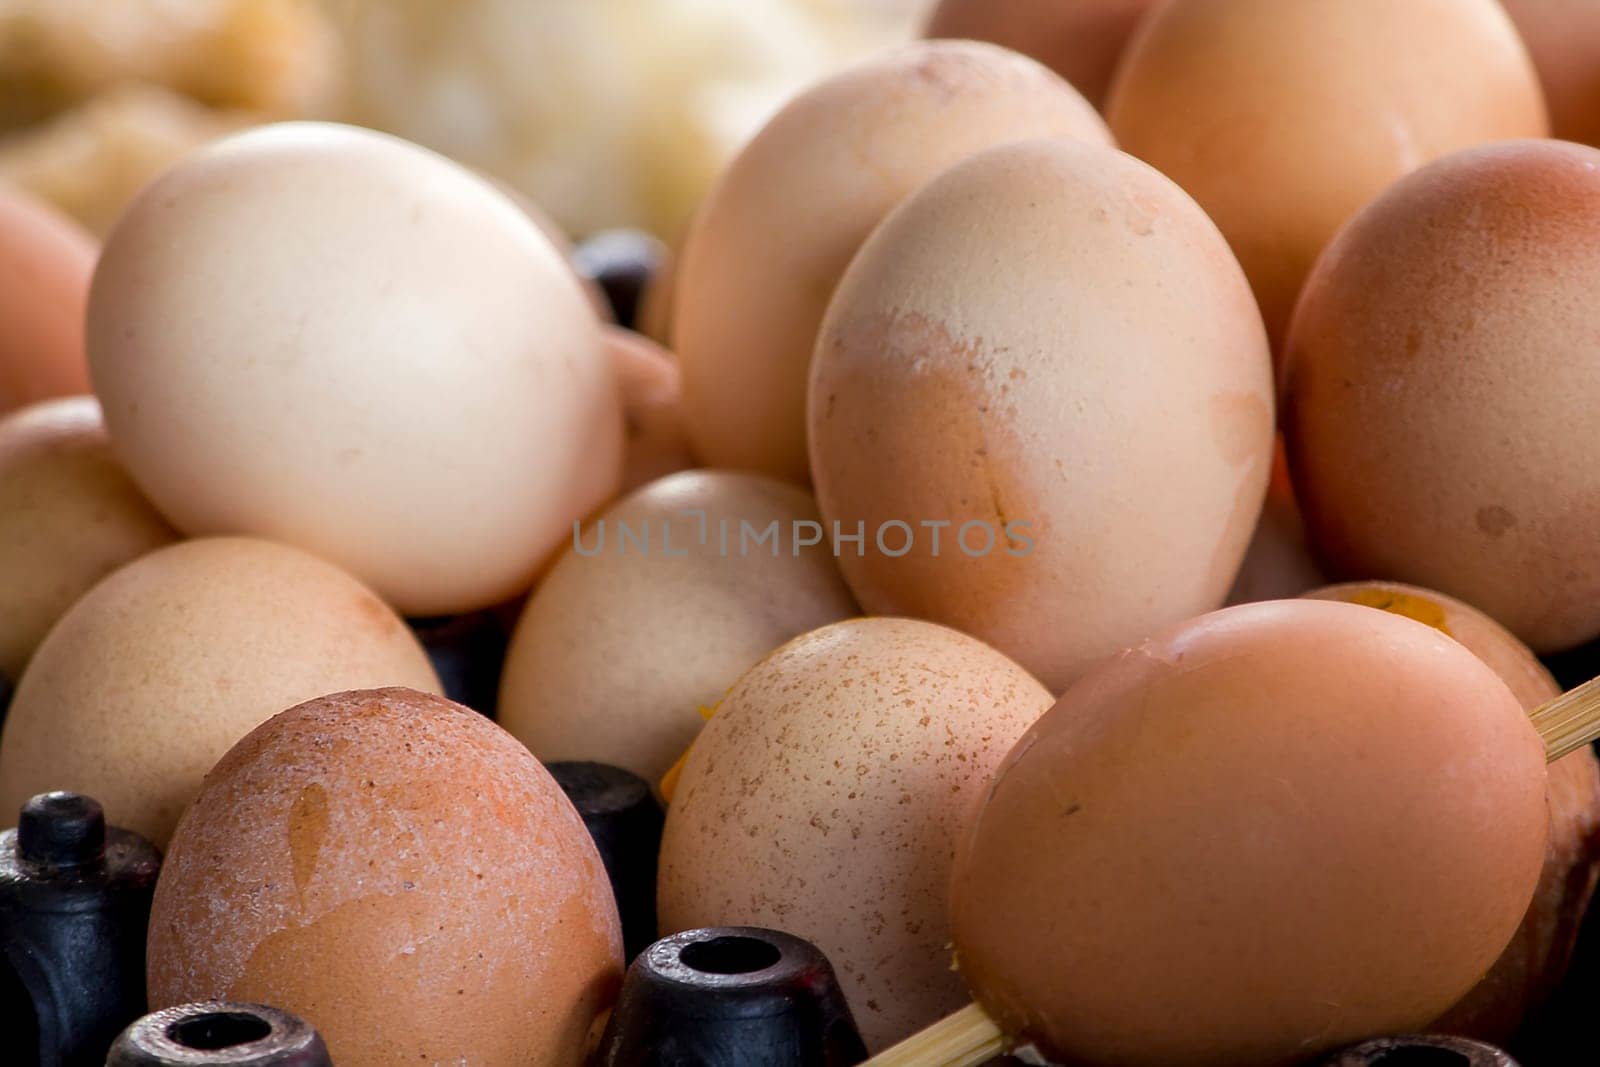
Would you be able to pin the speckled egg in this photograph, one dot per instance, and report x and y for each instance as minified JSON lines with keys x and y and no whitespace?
{"x":824,"y":799}
{"x":400,"y":872}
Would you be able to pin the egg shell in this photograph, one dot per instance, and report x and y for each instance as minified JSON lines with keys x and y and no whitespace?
{"x":399,"y":372}
{"x":69,"y":515}
{"x":824,"y":798}
{"x":1440,"y":362}
{"x":45,"y":264}
{"x":1282,"y":827}
{"x":1563,"y":36}
{"x":1534,"y":963}
{"x":398,"y":871}
{"x":624,"y":643}
{"x":1284,"y":119}
{"x":1081,"y":40}
{"x":656,"y":443}
{"x":159,"y":668}
{"x":1050,"y":335}
{"x":776,"y":233}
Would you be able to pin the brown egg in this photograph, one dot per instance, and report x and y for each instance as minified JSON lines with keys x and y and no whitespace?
{"x":1283,"y":119}
{"x":69,"y":515}
{"x":156,"y":671}
{"x":398,"y":871}
{"x":1050,"y":350}
{"x":824,"y":799}
{"x":45,"y":263}
{"x":1535,"y":962}
{"x":1259,"y":826}
{"x":775,"y":234}
{"x":655,"y":443}
{"x":1440,"y":361}
{"x":656,"y":609}
{"x":1081,"y":40}
{"x":1563,"y":37}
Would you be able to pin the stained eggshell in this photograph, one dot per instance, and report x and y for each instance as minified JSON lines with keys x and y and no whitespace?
{"x":1081,"y":40}
{"x":1534,"y":963}
{"x":1440,"y":362}
{"x":399,"y":373}
{"x":824,"y":798}
{"x":1283,"y":119}
{"x":45,"y":263}
{"x":398,"y":871}
{"x":1563,"y":36}
{"x":670,"y":600}
{"x":773,"y":237}
{"x":655,"y":443}
{"x":1050,"y":349}
{"x":1291,"y":825}
{"x":69,"y":515}
{"x":158,"y":669}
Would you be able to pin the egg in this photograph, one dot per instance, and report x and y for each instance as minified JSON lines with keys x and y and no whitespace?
{"x":398,"y":373}
{"x":1081,"y":40}
{"x":400,"y":873}
{"x":824,"y":796}
{"x":1277,"y":829}
{"x":1043,"y":395}
{"x":656,"y":443}
{"x":772,"y":238}
{"x":1441,"y":358}
{"x":1278,"y":564}
{"x":149,"y":678}
{"x":69,"y":515}
{"x":45,"y":264}
{"x":1563,"y":37}
{"x":658,"y":606}
{"x":1284,"y":119}
{"x":1534,"y":963}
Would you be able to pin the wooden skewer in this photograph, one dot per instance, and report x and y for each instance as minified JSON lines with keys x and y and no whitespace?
{"x":969,"y":1037}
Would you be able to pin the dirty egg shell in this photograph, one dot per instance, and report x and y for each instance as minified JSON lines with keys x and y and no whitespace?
{"x":824,"y":799}
{"x":45,"y":263}
{"x":69,"y":515}
{"x":773,"y":237}
{"x":1050,"y":339}
{"x":1284,"y":770}
{"x":623,"y":644}
{"x":1441,"y":358}
{"x":157,"y":670}
{"x":1283,"y":119}
{"x":332,"y":338}
{"x":398,"y":871}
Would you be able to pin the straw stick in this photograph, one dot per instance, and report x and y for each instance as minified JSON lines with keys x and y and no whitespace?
{"x":1570,"y":721}
{"x":964,"y":1039}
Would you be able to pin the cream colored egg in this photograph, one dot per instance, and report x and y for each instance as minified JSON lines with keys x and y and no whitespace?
{"x":775,"y":234}
{"x":156,"y":671}
{"x":69,"y":515}
{"x":659,"y":606}
{"x":335,"y":339}
{"x":825,"y":796}
{"x":1044,"y":393}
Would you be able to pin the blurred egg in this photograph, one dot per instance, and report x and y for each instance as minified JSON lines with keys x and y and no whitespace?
{"x":658,"y":607}
{"x":157,"y":670}
{"x":1081,"y":40}
{"x":1563,"y":37}
{"x":399,"y":872}
{"x":1050,"y":351}
{"x":825,"y":796}
{"x":45,"y":263}
{"x":399,"y":372}
{"x":1278,"y":564}
{"x":1283,"y":119}
{"x":1534,"y":963}
{"x":655,"y":443}
{"x":773,"y":237}
{"x":1277,"y":829}
{"x":1439,"y":364}
{"x":69,"y":515}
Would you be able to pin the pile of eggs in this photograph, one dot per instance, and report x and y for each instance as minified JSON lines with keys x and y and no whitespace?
{"x":896,"y":553}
